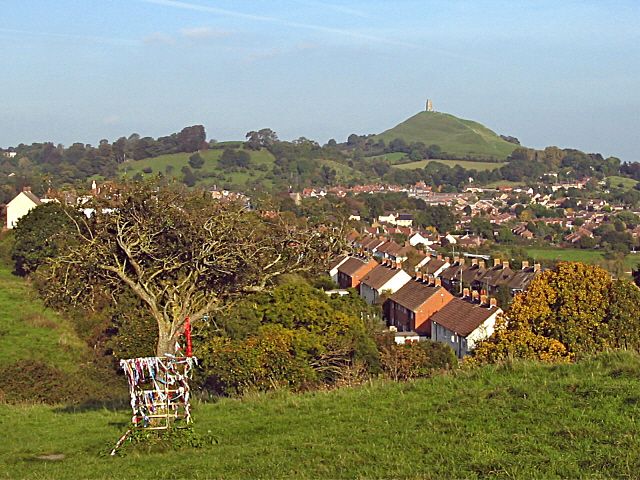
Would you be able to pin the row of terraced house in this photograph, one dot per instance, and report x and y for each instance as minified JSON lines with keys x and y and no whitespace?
{"x":445,"y":299}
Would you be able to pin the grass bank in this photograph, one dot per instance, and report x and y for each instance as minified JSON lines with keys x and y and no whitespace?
{"x":517,"y":421}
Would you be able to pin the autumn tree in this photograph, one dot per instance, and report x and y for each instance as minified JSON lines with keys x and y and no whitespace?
{"x":182,"y":254}
{"x":570,"y":310}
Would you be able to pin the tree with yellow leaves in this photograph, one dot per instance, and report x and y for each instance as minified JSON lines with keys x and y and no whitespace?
{"x":571,"y":310}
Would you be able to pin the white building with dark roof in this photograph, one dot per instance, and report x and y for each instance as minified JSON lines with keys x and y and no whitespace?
{"x":20,"y":206}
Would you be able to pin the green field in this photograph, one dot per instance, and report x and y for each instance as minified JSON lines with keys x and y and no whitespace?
{"x":392,"y":158}
{"x":621,"y":182}
{"x":578,"y":255}
{"x":344,"y":173}
{"x":178,"y":160}
{"x":452,"y":163}
{"x":518,"y":421}
{"x":28,"y":330}
{"x":454,"y":135}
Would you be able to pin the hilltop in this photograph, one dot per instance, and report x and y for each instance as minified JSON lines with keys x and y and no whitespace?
{"x":455,"y":136}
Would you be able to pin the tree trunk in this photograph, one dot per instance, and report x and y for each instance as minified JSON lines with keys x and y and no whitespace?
{"x":166,"y":342}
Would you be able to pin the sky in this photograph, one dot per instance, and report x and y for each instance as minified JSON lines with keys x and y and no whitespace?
{"x":564,"y":73}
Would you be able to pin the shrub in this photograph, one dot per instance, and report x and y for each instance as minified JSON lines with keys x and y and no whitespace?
{"x":414,"y":359}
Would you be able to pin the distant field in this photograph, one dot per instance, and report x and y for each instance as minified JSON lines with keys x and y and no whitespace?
{"x":176,"y":161}
{"x":577,"y":255}
{"x":344,"y":173}
{"x":568,"y":254}
{"x":392,"y":158}
{"x":624,"y":182}
{"x":452,"y":163}
{"x":454,"y":135}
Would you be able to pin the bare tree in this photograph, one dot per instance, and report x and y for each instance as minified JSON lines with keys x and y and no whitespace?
{"x":183,"y":254}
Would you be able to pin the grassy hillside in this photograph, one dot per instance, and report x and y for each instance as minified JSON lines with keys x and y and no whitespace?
{"x":33,"y":336}
{"x":211,"y":172}
{"x":455,"y":136}
{"x":518,"y":421}
{"x":452,"y":163}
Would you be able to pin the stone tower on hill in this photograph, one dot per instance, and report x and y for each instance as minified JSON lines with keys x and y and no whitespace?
{"x":429,"y":105}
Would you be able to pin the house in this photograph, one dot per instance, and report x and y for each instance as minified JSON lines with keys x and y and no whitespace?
{"x":353,"y":270}
{"x":522,"y":278}
{"x":20,"y":206}
{"x":495,"y":277}
{"x":404,"y":220}
{"x":436,"y":266}
{"x":473,"y":273}
{"x":418,"y":239}
{"x":452,"y":275}
{"x":410,"y":308}
{"x":462,"y":323}
{"x":388,"y":277}
{"x":333,"y":267}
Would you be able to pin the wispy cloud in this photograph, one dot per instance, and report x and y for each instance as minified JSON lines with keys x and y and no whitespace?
{"x":72,"y":36}
{"x":336,"y":8}
{"x":199,"y":33}
{"x":158,"y":38}
{"x":279,"y":21}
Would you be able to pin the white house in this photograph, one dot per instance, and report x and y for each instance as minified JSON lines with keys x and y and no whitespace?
{"x":391,"y":218}
{"x":461,"y":323}
{"x":417,"y":238}
{"x":334,"y":265}
{"x":20,"y":206}
{"x":383,"y":278}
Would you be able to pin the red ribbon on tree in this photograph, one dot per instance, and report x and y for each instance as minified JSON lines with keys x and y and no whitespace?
{"x":187,"y":336}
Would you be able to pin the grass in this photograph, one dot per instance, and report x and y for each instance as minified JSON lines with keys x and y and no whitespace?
{"x":392,"y":158}
{"x":28,"y":330}
{"x":504,"y":183}
{"x":517,"y":421}
{"x":452,"y":163}
{"x":577,"y":255}
{"x":621,"y":182}
{"x":454,"y":135}
{"x":210,"y":167}
{"x":344,"y":173}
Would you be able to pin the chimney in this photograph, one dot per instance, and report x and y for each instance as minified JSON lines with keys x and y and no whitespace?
{"x":430,"y":280}
{"x":438,"y":282}
{"x":536,"y":267}
{"x":419,"y":275}
{"x":493,"y":303}
{"x":483,"y":300}
{"x":481,"y":264}
{"x":505,"y":265}
{"x":496,"y":262}
{"x":475,"y":296}
{"x":439,"y":257}
{"x":525,"y":264}
{"x":474,"y":261}
{"x":398,"y":265}
{"x":456,"y":259}
{"x":461,"y":261}
{"x":26,"y":188}
{"x":446,"y":259}
{"x":465,"y":293}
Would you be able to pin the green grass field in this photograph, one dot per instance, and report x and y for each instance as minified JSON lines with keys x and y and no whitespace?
{"x":392,"y":158}
{"x":621,"y":182}
{"x":28,"y":330}
{"x":518,"y":421}
{"x":178,"y":160}
{"x":577,"y":255}
{"x":454,"y":135}
{"x":452,"y":163}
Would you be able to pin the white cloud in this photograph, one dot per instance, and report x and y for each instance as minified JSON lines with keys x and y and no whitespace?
{"x":158,"y":38}
{"x":200,"y":33}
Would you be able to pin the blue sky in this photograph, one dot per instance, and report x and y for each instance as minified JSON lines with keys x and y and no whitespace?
{"x":550,"y":73}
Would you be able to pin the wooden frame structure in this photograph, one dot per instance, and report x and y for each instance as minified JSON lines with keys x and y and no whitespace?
{"x":159,"y":391}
